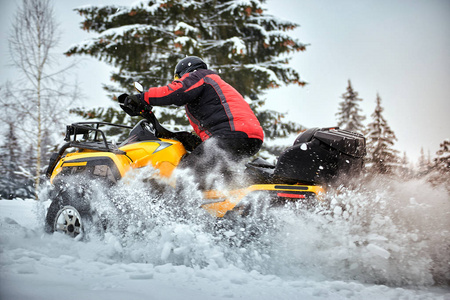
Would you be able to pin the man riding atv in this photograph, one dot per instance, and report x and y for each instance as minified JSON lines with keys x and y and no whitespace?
{"x":229,"y":131}
{"x":220,"y":116}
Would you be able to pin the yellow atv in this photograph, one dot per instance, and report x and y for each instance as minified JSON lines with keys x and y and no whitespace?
{"x":317,"y":158}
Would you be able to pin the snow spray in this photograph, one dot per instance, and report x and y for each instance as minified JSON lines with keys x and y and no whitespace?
{"x":383,"y":232}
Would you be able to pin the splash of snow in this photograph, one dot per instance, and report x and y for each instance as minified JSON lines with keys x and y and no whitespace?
{"x":356,"y":245}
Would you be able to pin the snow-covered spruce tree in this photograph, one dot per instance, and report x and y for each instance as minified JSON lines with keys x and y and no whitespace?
{"x":404,"y":168}
{"x":349,"y":114}
{"x":13,"y":183}
{"x":442,"y":160}
{"x":16,"y":176}
{"x":440,"y":172}
{"x":381,"y":157}
{"x":249,"y":48}
{"x":424,"y":164}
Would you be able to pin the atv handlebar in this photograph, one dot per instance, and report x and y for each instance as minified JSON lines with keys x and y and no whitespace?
{"x":189,"y":140}
{"x":132,"y":106}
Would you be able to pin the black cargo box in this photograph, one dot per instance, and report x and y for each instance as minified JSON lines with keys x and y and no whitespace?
{"x":322,"y":155}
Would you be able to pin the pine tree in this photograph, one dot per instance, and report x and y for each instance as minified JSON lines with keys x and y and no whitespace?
{"x":442,"y":161}
{"x":349,"y":114}
{"x":404,"y":170}
{"x":247,"y":47}
{"x":12,"y":182}
{"x":423,"y":165}
{"x":440,"y":172}
{"x":382,"y":158}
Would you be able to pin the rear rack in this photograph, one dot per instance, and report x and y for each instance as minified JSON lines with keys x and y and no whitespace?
{"x":98,"y":142}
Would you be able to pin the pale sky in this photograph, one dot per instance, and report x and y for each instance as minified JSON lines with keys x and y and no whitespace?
{"x":397,"y":48}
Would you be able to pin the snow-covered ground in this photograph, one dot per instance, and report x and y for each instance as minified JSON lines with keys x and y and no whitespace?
{"x":369,"y":244}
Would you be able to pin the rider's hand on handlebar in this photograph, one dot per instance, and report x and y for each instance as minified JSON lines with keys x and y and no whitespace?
{"x":132,"y":104}
{"x":134,"y":100}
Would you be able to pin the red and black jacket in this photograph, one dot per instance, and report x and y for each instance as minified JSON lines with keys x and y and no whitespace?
{"x":214,"y":107}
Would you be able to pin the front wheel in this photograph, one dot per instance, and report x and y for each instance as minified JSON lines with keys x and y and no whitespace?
{"x":68,"y":221}
{"x":69,"y":213}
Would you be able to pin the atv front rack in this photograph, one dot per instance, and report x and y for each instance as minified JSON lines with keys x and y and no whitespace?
{"x":98,"y":142}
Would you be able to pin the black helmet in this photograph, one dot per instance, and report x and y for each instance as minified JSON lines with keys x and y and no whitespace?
{"x":189,"y":64}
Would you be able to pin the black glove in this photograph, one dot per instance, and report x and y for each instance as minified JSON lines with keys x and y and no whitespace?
{"x":122,"y":98}
{"x":134,"y":101}
{"x":132,"y":105}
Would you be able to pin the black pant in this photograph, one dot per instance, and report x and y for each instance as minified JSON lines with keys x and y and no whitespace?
{"x":213,"y":160}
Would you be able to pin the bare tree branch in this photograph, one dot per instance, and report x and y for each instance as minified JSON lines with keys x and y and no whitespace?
{"x":43,"y":103}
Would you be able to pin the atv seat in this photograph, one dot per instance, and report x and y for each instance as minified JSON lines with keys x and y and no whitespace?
{"x":260,"y":170}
